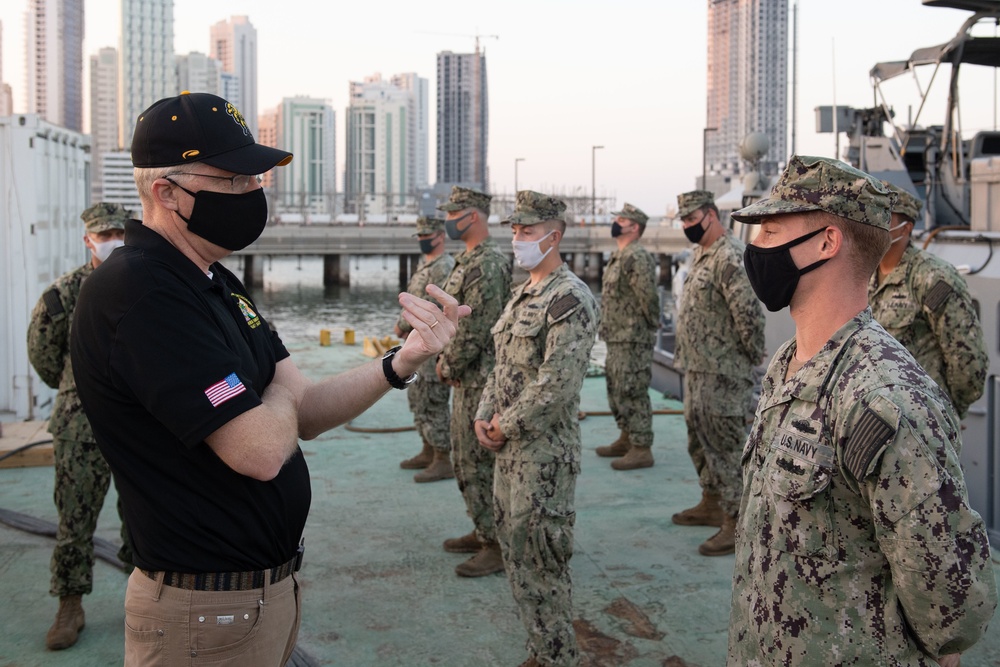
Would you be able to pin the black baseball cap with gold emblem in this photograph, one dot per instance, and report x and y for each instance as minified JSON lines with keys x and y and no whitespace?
{"x":199,"y":127}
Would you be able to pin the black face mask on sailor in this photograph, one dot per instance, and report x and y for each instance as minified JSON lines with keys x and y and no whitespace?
{"x":773,"y":274}
{"x":231,"y":221}
{"x":695,"y":232}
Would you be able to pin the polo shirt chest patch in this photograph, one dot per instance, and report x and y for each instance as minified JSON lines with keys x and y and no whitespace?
{"x":249,"y":314}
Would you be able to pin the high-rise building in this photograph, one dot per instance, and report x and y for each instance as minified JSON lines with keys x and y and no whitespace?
{"x":307,"y":185}
{"x":384,"y":146}
{"x":234,"y":45}
{"x":147,"y":72}
{"x":462,"y":119}
{"x":118,"y":181}
{"x":6,"y":96}
{"x":267,"y":134}
{"x":747,"y":85}
{"x":229,"y":89}
{"x":103,"y":113}
{"x":54,"y":61}
{"x":418,"y":129}
{"x":198,"y":73}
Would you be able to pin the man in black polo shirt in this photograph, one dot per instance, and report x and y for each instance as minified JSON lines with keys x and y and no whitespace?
{"x":196,"y":404}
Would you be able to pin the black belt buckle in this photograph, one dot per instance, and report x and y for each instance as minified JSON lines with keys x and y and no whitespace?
{"x":298,"y":556}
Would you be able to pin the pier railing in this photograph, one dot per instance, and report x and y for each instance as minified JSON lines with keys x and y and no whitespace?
{"x":394,"y":239}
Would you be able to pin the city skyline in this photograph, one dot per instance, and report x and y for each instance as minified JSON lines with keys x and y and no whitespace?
{"x":630,"y":78}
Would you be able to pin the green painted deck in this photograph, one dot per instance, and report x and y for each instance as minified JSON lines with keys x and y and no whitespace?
{"x":379,"y":589}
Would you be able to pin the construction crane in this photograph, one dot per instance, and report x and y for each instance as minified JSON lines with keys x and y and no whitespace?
{"x":484,"y":37}
{"x":452,"y":34}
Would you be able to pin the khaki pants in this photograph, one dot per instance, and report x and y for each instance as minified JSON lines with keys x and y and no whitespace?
{"x":166,"y":626}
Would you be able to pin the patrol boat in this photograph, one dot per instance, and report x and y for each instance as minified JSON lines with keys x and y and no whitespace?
{"x":959,"y":181}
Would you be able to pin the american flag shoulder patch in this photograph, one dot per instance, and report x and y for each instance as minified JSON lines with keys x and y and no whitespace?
{"x":225,"y":389}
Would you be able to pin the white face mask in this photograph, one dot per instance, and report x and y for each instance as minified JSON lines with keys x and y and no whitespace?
{"x":898,"y":238}
{"x":528,"y":254}
{"x":102,"y":250}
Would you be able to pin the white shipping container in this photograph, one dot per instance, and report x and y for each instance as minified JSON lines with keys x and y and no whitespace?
{"x":44,"y":186}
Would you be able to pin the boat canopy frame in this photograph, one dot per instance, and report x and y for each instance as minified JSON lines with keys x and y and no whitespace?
{"x":964,"y":48}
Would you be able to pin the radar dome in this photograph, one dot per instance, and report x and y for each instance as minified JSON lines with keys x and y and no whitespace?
{"x":754,"y":146}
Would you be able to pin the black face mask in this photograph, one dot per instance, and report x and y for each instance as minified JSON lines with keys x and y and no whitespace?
{"x":694,"y":233}
{"x":227,"y":220}
{"x":773,"y":274}
{"x":451,"y":227}
{"x":616,"y":230}
{"x":426,"y":246}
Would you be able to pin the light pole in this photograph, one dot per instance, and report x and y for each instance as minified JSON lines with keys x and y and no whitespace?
{"x":704,"y":154}
{"x":516,"y":160}
{"x":593,"y":181}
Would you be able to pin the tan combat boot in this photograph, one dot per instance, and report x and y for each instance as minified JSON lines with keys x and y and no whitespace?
{"x":440,"y":468}
{"x":617,"y":448}
{"x":637,"y":457}
{"x":723,"y":542}
{"x":421,"y":460}
{"x":68,"y":624}
{"x":530,"y":662}
{"x":486,"y":561}
{"x":708,"y":512}
{"x":466,"y":544}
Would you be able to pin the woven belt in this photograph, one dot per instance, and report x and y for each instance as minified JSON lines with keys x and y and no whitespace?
{"x":229,"y":581}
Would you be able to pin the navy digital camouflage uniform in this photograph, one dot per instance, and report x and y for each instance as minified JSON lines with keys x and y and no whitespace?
{"x":720,"y":339}
{"x":481,"y":280}
{"x":428,"y":396}
{"x":543,"y":344}
{"x":856,"y":544}
{"x":82,"y":475}
{"x":630,"y":308}
{"x":926,"y":305}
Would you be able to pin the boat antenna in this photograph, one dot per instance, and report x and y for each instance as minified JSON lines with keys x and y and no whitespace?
{"x":833,"y":81}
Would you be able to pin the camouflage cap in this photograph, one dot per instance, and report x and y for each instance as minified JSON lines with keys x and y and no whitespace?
{"x":906,"y":204}
{"x":689,"y":202}
{"x":104,"y":216}
{"x":428,"y":225}
{"x":463,"y":198}
{"x":824,"y":184}
{"x":633,"y":213}
{"x":534,"y":207}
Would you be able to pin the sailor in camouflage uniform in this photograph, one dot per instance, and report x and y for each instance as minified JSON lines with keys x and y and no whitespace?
{"x":528,"y":416}
{"x":923,"y":301}
{"x":480,"y":279}
{"x":81,"y":473}
{"x":630,"y":315}
{"x":720,"y":339}
{"x":428,"y":396}
{"x":857,"y":545}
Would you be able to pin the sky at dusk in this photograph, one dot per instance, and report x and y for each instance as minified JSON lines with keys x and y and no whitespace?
{"x":563,"y":75}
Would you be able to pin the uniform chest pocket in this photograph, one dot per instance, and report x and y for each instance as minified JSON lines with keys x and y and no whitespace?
{"x":523,"y":345}
{"x":797,"y":506}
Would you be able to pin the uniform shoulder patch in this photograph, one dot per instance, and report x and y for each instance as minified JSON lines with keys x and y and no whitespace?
{"x":53,"y":304}
{"x":473,"y":275}
{"x":563,"y":305}
{"x":728,"y":273}
{"x":870,"y":435}
{"x":938,"y":295}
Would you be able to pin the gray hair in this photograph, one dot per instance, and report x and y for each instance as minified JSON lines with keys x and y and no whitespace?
{"x":144,"y":177}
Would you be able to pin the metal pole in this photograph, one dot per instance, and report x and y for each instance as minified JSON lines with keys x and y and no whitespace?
{"x":516,"y":160}
{"x":593,"y":181}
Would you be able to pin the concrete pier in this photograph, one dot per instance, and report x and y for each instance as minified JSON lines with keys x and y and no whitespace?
{"x":336,"y":272}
